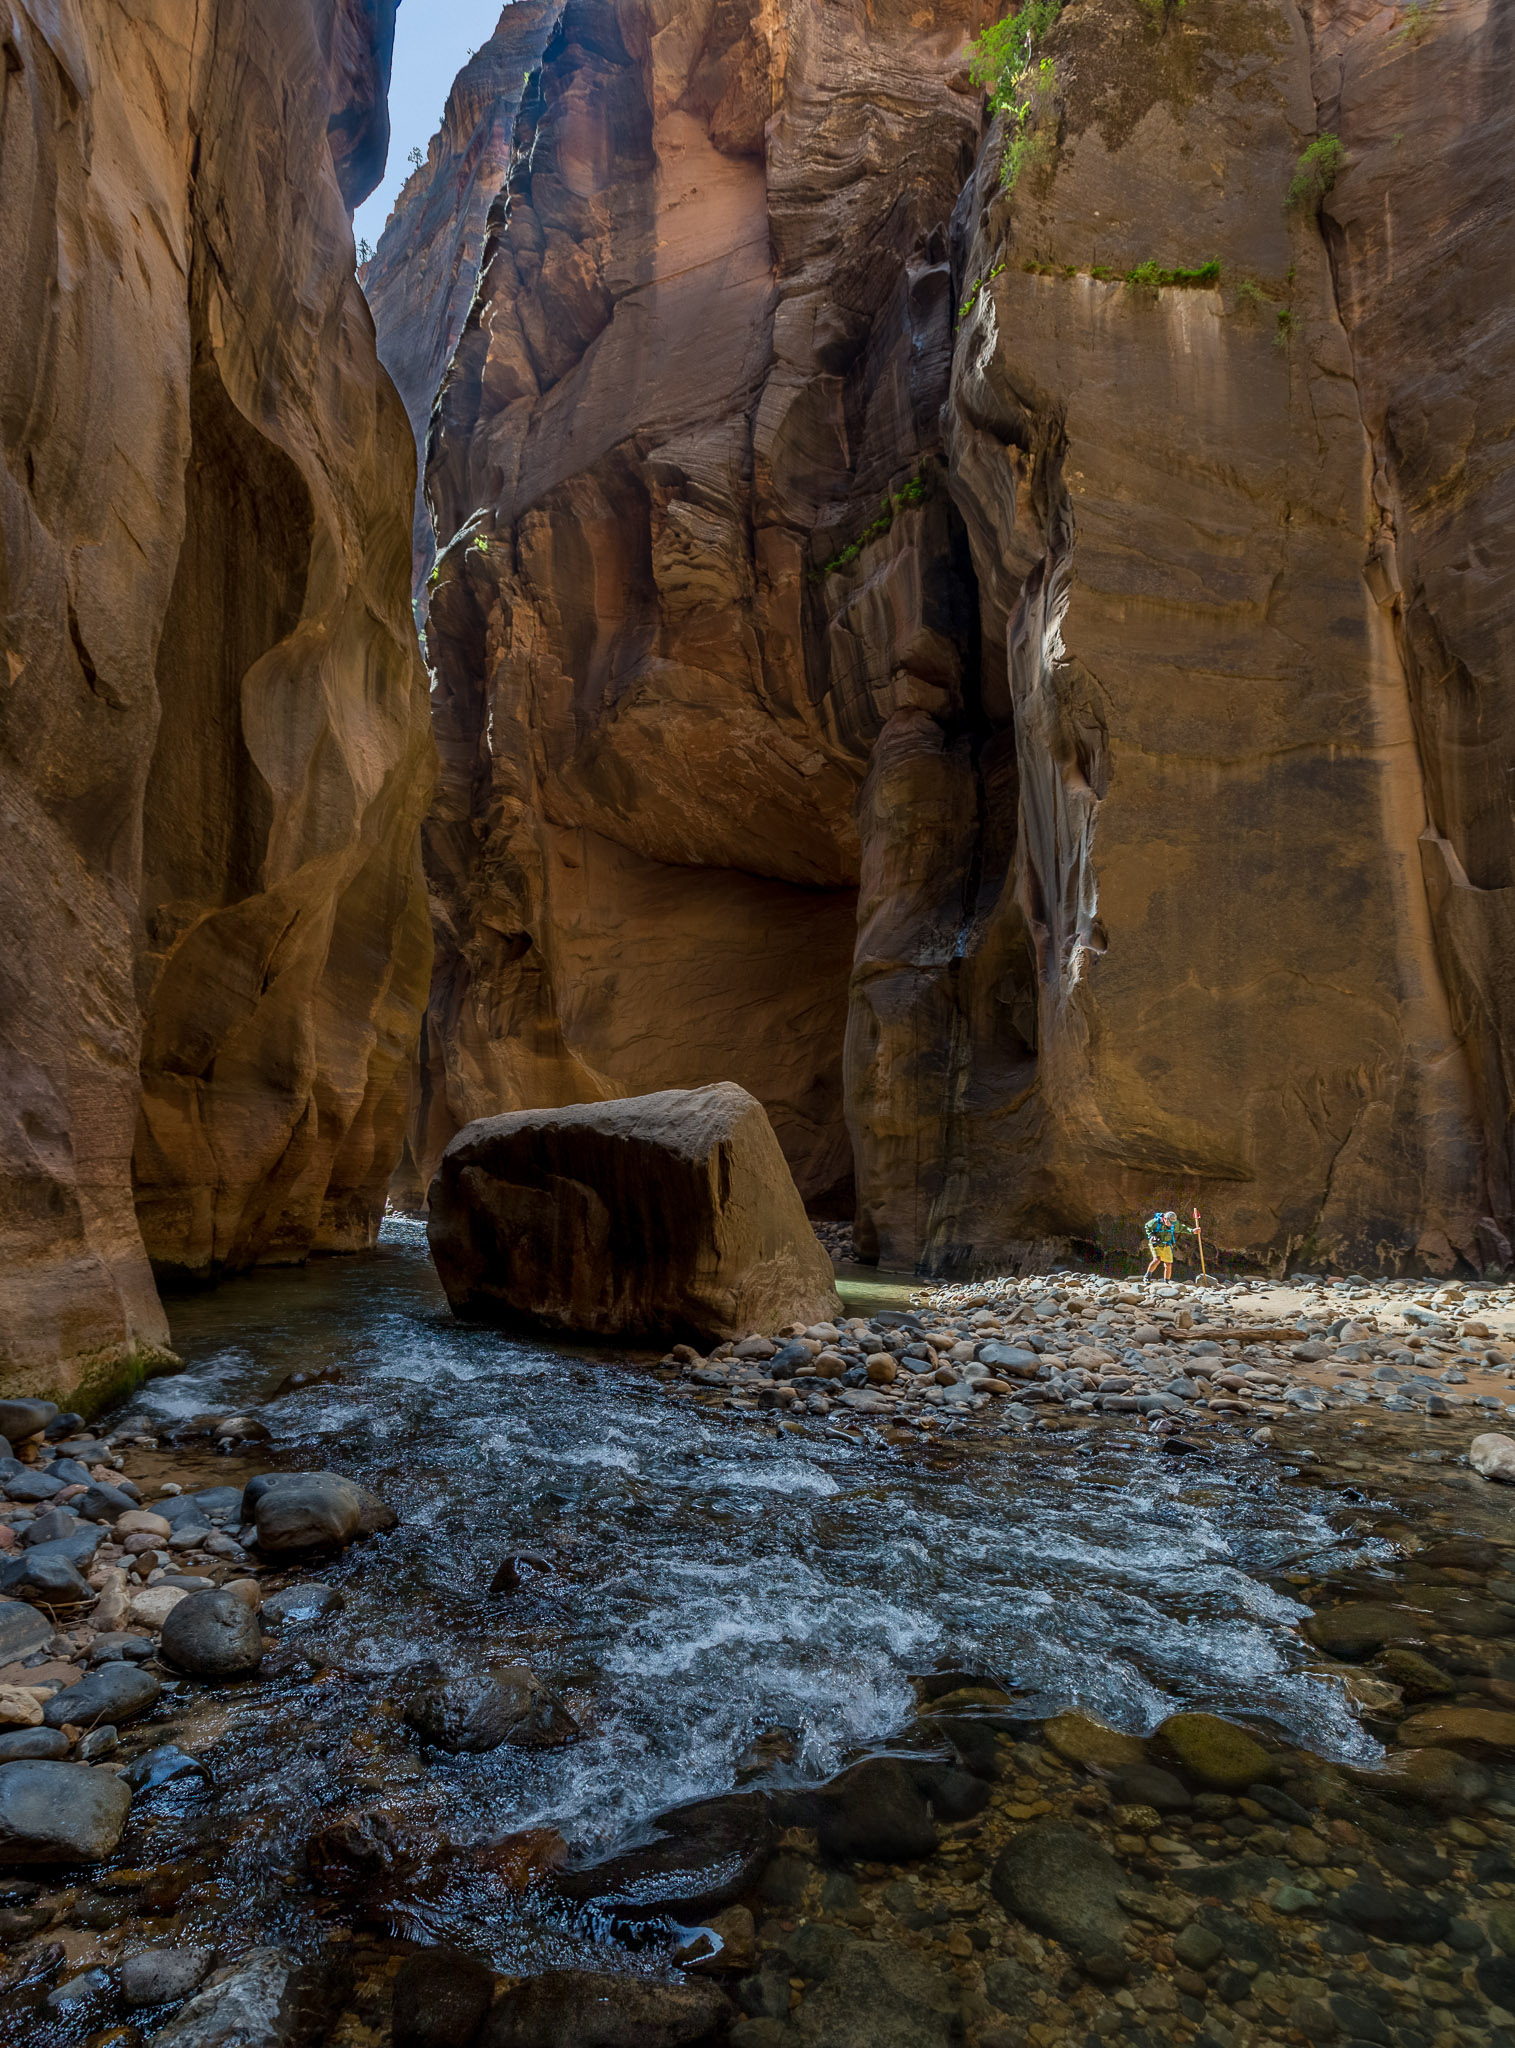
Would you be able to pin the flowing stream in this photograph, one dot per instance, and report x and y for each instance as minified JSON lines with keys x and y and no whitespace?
{"x":714,"y":1580}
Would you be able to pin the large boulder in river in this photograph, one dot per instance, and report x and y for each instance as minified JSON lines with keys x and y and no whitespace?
{"x":658,"y":1215}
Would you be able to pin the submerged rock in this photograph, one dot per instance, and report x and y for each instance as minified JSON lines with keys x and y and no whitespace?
{"x":880,"y":1997}
{"x":1059,"y":1882}
{"x":476,"y":1714}
{"x":1216,"y":1752}
{"x":702,"y":1856}
{"x":60,"y":1813}
{"x":672,"y":1213}
{"x":262,"y":2000}
{"x":591,"y":2009}
{"x":440,"y":1999}
{"x":306,"y":1511}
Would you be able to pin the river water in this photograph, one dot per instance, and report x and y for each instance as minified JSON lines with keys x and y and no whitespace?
{"x":715,"y":1579}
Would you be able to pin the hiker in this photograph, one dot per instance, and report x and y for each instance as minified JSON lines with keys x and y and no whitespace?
{"x":1161,"y":1230}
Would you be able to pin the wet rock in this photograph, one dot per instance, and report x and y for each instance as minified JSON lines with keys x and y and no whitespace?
{"x":474,"y":1714}
{"x":1012,"y":1987}
{"x":160,"y":1976}
{"x":1492,"y":1456}
{"x":594,"y":2010}
{"x":1416,"y":1676}
{"x":783,"y":1884}
{"x":60,"y":1813}
{"x":702,"y":1856}
{"x":952,"y":1795}
{"x":213,"y":1634}
{"x":115,"y":1693}
{"x":1430,"y":1777}
{"x":976,"y":1743}
{"x":308,"y":1601}
{"x":1085,"y":1741}
{"x":1477,"y":1728}
{"x":642,"y":1216}
{"x":876,"y":1812}
{"x":1216,"y":1752}
{"x":440,"y":1999}
{"x":880,"y":1997}
{"x":1150,"y":1785}
{"x":262,"y":2000}
{"x":1362,"y":1628}
{"x":74,"y":1997}
{"x":1197,"y":1947}
{"x":1396,"y":1916}
{"x":815,"y":1949}
{"x":162,"y":1766}
{"x":48,"y":1745}
{"x":519,"y":1570}
{"x":1495,"y":1977}
{"x":102,"y":1503}
{"x":307,"y":1511}
{"x":1059,"y":1882}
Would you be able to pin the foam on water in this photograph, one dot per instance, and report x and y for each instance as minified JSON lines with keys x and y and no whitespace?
{"x":714,"y":1580}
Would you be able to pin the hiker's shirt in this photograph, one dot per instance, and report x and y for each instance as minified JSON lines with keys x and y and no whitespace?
{"x":1162,"y":1234}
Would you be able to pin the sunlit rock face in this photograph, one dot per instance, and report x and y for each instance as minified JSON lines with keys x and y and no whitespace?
{"x":1039,"y":728}
{"x":712,"y":331}
{"x":213,"y":741}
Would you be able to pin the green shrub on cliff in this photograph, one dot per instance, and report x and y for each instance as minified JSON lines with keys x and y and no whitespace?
{"x":1000,"y":60}
{"x":1316,"y":172}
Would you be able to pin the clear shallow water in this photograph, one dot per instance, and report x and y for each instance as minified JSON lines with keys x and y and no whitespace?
{"x":715,"y":1580}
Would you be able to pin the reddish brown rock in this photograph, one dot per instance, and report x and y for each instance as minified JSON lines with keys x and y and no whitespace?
{"x":213,"y":747}
{"x":655,"y":1216}
{"x":712,"y":331}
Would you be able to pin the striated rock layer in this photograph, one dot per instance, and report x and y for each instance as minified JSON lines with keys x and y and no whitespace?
{"x":1037,"y":726}
{"x":712,"y":330}
{"x":213,"y":745}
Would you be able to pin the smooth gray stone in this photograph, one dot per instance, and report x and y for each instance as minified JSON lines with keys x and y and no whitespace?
{"x":103,"y":1503}
{"x":308,"y":1601}
{"x":60,"y":1813}
{"x":21,"y":1419}
{"x":306,"y":1511}
{"x":29,"y":1486}
{"x":45,"y":1574}
{"x":22,"y":1630}
{"x":50,"y":1527}
{"x":160,"y":1976}
{"x":1059,"y":1882}
{"x":114,"y":1692}
{"x":45,"y":1744}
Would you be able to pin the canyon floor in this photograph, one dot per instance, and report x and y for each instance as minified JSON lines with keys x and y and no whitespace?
{"x":1177,"y":1711}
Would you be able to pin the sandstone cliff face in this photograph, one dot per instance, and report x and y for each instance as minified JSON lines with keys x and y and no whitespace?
{"x":212,"y":717}
{"x":712,"y":331}
{"x":1421,"y":234}
{"x":420,"y":280}
{"x":1132,"y":779}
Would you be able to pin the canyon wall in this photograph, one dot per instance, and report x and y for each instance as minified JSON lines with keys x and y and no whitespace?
{"x":1014,"y":670}
{"x":420,"y":279}
{"x":214,"y":752}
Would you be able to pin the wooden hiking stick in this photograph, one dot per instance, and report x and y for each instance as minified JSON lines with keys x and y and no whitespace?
{"x":1200,"y":1238}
